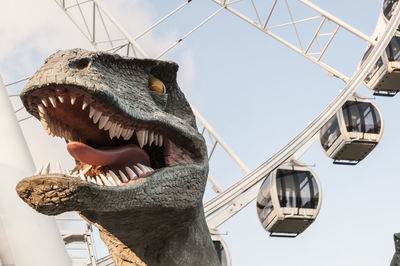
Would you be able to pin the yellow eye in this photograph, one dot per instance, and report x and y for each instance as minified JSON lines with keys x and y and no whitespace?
{"x":156,"y":85}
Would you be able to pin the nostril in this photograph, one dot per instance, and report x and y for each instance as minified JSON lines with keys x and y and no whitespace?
{"x":80,"y":63}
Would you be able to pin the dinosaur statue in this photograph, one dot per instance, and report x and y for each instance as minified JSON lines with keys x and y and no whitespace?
{"x":396,"y":256}
{"x":141,"y":165}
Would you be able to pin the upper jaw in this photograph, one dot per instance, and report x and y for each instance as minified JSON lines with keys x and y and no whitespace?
{"x":101,"y":106}
{"x":54,"y":104}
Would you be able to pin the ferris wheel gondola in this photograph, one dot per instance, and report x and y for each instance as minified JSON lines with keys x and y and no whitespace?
{"x":388,"y":7}
{"x":221,"y":247}
{"x":351,"y":134}
{"x":289,"y":200}
{"x":384,"y":78}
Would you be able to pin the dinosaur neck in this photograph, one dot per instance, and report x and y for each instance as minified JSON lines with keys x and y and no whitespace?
{"x":163,"y":237}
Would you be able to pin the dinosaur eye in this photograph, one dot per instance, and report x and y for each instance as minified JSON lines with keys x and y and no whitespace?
{"x":156,"y":85}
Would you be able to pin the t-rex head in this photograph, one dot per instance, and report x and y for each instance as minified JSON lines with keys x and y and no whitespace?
{"x":139,"y":157}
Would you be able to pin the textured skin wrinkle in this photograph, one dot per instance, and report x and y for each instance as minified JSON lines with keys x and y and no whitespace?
{"x":158,"y":220}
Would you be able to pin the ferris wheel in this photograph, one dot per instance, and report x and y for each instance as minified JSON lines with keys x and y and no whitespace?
{"x":336,"y":125}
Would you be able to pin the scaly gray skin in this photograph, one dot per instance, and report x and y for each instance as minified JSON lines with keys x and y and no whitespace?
{"x":396,"y":256}
{"x":159,"y":219}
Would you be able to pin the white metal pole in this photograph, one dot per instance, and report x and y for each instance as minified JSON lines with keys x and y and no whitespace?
{"x":33,"y":239}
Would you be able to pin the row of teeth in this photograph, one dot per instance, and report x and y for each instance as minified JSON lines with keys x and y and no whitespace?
{"x":108,"y":179}
{"x":144,"y":136}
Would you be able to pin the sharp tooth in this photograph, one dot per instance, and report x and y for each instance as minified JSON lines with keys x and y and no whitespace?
{"x":44,"y":124}
{"x":118,"y":133}
{"x":103,"y":121}
{"x":93,"y":180}
{"x":116,"y":129}
{"x":148,"y":169}
{"x":111,"y":132}
{"x":91,"y":111}
{"x":105,"y":180}
{"x":146,"y":137}
{"x":98,"y":181}
{"x":58,"y":168}
{"x":141,"y":135}
{"x":44,"y":102}
{"x":130,"y":172}
{"x":123,"y":176}
{"x":84,"y":105}
{"x":138,"y":170}
{"x":115,"y":177}
{"x":41,"y":109}
{"x":160,"y":140}
{"x":129,"y":134}
{"x":111,"y":180}
{"x":53,"y":101}
{"x":151,"y":138}
{"x":61,"y":99}
{"x":46,"y":169}
{"x":73,"y":99}
{"x":86,"y":169}
{"x":124,"y":132}
{"x":82,"y":176}
{"x":156,"y":139}
{"x":38,"y":171}
{"x":96,"y":116}
{"x":108,"y":125}
{"x":142,"y":167}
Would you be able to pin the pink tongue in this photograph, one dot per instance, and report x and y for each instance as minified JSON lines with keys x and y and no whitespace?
{"x":120,"y":157}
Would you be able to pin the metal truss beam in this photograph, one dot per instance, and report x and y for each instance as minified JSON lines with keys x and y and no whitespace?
{"x":325,"y":18}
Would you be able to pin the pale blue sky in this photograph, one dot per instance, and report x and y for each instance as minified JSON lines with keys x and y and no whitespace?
{"x":258,"y":95}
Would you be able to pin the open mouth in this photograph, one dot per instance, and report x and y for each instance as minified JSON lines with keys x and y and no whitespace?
{"x":110,"y":148}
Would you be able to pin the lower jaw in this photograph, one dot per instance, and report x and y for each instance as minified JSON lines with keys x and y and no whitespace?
{"x":179,"y":186}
